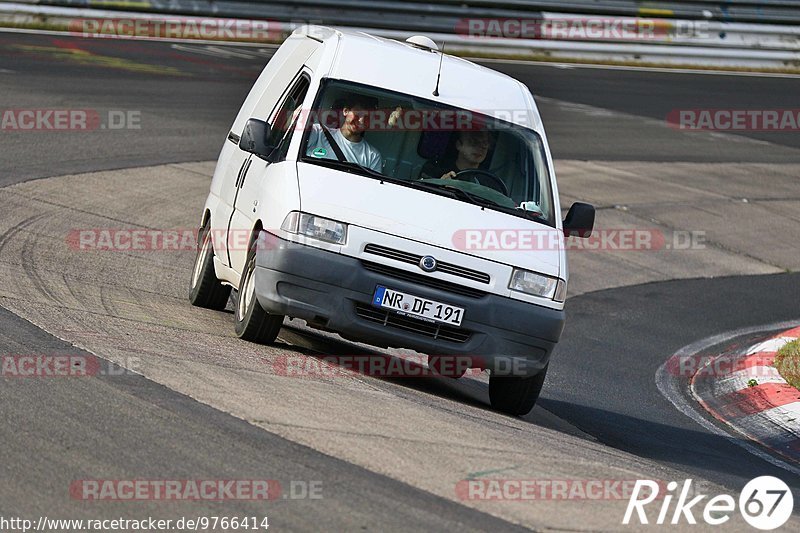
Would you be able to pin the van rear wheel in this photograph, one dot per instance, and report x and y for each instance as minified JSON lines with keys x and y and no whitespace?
{"x":252,"y":322}
{"x":515,"y":395}
{"x":205,"y":289}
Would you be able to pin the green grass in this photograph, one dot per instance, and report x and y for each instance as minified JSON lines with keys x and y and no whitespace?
{"x":788,"y":363}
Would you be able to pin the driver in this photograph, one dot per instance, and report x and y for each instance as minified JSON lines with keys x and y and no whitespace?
{"x":350,"y":137}
{"x":472,"y":147}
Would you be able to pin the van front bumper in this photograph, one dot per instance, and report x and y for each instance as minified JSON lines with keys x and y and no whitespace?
{"x":335,"y":292}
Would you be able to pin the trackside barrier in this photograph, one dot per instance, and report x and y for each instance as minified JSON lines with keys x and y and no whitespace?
{"x":476,"y":29}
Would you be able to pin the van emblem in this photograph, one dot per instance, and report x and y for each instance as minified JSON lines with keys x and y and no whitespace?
{"x":428,"y":263}
{"x":319,"y":152}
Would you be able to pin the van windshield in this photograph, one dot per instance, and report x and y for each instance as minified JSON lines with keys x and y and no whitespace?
{"x":430,"y":146}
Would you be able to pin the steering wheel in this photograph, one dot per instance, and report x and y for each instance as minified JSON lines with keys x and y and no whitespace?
{"x":473,"y":175}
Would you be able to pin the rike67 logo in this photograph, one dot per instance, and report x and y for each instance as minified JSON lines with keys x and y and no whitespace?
{"x":765,"y":503}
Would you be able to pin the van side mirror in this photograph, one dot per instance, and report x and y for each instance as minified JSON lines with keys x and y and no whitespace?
{"x":579,"y":221}
{"x":254,"y":138}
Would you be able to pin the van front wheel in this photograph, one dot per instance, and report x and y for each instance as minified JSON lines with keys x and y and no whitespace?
{"x":515,"y":395}
{"x":252,"y":322}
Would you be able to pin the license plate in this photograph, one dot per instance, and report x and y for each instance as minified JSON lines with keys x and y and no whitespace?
{"x":408,"y":304}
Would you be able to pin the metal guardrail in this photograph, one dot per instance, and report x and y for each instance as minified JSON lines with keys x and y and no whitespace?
{"x":412,"y":16}
{"x":685,"y":42}
{"x":443,"y":14}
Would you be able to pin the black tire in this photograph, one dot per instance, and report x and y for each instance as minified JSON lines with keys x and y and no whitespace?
{"x":447,"y":365}
{"x":252,"y":322}
{"x":205,"y":290}
{"x":515,"y":395}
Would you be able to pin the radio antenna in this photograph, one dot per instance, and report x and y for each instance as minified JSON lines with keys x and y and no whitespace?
{"x":439,"y":74}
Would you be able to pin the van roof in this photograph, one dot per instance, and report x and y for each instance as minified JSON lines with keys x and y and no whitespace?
{"x":401,"y":67}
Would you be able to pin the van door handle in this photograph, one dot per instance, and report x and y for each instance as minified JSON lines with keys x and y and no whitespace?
{"x":239,"y":175}
{"x":244,"y":172}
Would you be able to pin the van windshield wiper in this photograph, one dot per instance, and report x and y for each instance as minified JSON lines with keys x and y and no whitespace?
{"x":485,"y":202}
{"x":347,"y":166}
{"x":464,"y":195}
{"x":474,"y":198}
{"x":445,"y":190}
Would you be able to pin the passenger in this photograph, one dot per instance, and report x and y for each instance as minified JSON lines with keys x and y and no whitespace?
{"x":349,"y":137}
{"x":472,"y":147}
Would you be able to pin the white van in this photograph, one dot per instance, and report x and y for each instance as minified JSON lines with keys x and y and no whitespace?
{"x":396,"y":196}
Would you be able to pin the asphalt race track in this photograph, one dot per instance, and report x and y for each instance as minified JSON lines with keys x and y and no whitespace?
{"x":600,"y":403}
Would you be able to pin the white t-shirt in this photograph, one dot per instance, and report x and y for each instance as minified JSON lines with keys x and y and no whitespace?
{"x":361,"y":152}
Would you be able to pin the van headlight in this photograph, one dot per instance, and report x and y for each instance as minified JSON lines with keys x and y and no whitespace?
{"x":538,"y":285}
{"x":315,"y":227}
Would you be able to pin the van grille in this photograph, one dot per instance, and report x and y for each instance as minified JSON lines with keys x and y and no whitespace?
{"x":420,"y":279}
{"x":414,"y":259}
{"x":421,"y":327}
